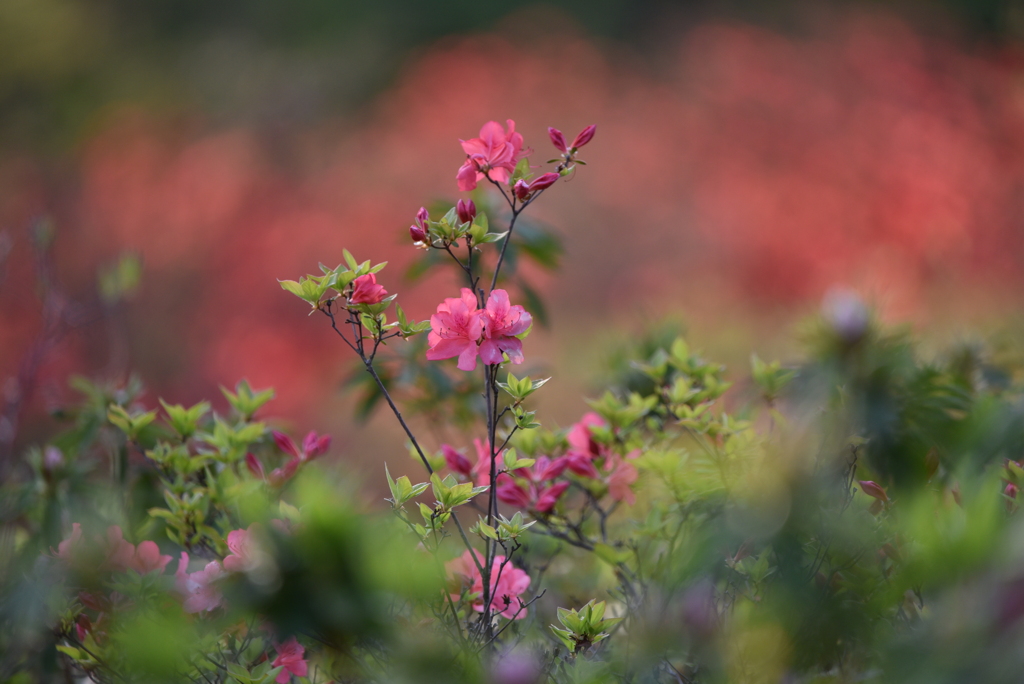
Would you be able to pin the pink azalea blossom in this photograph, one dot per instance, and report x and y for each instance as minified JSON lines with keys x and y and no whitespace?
{"x":198,"y":589}
{"x":493,"y":155}
{"x":243,"y":556}
{"x":365,"y":290}
{"x":502,"y":322}
{"x":69,"y":549}
{"x":290,"y":657}
{"x":621,"y":476}
{"x":510,"y":492}
{"x":549,"y":497}
{"x":481,"y":474}
{"x":455,"y":330}
{"x":456,"y":461}
{"x":119,"y":553}
{"x":148,"y":559}
{"x":507,"y":583}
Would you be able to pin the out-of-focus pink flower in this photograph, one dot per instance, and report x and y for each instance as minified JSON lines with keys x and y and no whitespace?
{"x":549,"y":497}
{"x":278,"y":476}
{"x":198,"y":589}
{"x":119,"y":553}
{"x":313,"y":445}
{"x":456,"y":461}
{"x":584,"y":136}
{"x":365,"y":290}
{"x":580,"y":438}
{"x":511,"y":492}
{"x":481,"y":474}
{"x":493,"y":155}
{"x":285,"y":444}
{"x":243,"y":552}
{"x":290,"y":657}
{"x":507,"y":583}
{"x":466,"y":210}
{"x":873,"y":490}
{"x":255,"y":466}
{"x":148,"y":559}
{"x":524,"y":190}
{"x":455,"y":330}
{"x":70,"y":548}
{"x":501,"y":323}
{"x":622,"y":475}
{"x":557,"y":139}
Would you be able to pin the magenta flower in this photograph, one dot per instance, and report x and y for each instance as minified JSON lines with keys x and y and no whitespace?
{"x":493,"y":155}
{"x":455,"y":330}
{"x":456,"y":461}
{"x":365,"y":290}
{"x":502,"y":322}
{"x":549,"y":497}
{"x":198,"y":589}
{"x":511,"y":492}
{"x":148,"y":559}
{"x":290,"y":657}
{"x":312,"y":445}
{"x":507,"y":583}
{"x":466,"y":211}
{"x":557,"y":139}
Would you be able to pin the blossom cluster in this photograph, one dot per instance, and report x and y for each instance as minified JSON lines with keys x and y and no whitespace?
{"x":461,"y":329}
{"x":539,"y":486}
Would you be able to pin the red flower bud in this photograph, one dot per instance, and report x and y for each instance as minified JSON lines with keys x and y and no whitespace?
{"x":254,"y":465}
{"x":521,"y":189}
{"x":456,"y":461}
{"x":466,"y":211}
{"x":557,"y":139}
{"x":873,"y":490}
{"x":417,"y":234}
{"x":285,"y":443}
{"x":585,"y":136}
{"x":422,"y":217}
{"x":545,"y":181}
{"x":313,"y":445}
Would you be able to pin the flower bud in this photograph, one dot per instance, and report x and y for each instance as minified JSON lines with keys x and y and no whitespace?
{"x":466,"y":211}
{"x":417,"y":234}
{"x":545,"y":181}
{"x":365,"y":290}
{"x":254,"y":466}
{"x":585,"y":136}
{"x":873,"y":489}
{"x":557,"y":139}
{"x":422,"y":216}
{"x":521,"y":189}
{"x":456,"y":461}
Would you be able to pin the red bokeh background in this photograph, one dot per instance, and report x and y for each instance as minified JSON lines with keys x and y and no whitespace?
{"x":733,"y":183}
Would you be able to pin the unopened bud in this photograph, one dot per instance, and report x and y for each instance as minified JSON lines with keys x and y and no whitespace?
{"x":873,"y":489}
{"x":521,"y":189}
{"x":557,"y":139}
{"x":466,"y":211}
{"x":545,"y":181}
{"x":417,"y":234}
{"x":585,"y":136}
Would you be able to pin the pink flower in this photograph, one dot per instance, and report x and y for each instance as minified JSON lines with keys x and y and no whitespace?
{"x":365,"y":290}
{"x":312,"y":445}
{"x":147,"y":558}
{"x":455,"y":330}
{"x":507,"y":583}
{"x":119,"y":552}
{"x":525,"y":190}
{"x":466,"y":211}
{"x":243,"y":552}
{"x":481,"y":474}
{"x":69,"y":549}
{"x":510,"y":492}
{"x":198,"y":589}
{"x":622,"y":475}
{"x":501,"y":323}
{"x":279,"y":476}
{"x":456,"y":461}
{"x":493,"y":155}
{"x":549,"y":497}
{"x":254,"y":466}
{"x":580,"y":438}
{"x":289,"y":656}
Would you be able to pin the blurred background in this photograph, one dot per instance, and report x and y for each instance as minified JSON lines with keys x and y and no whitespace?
{"x":749,"y":158}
